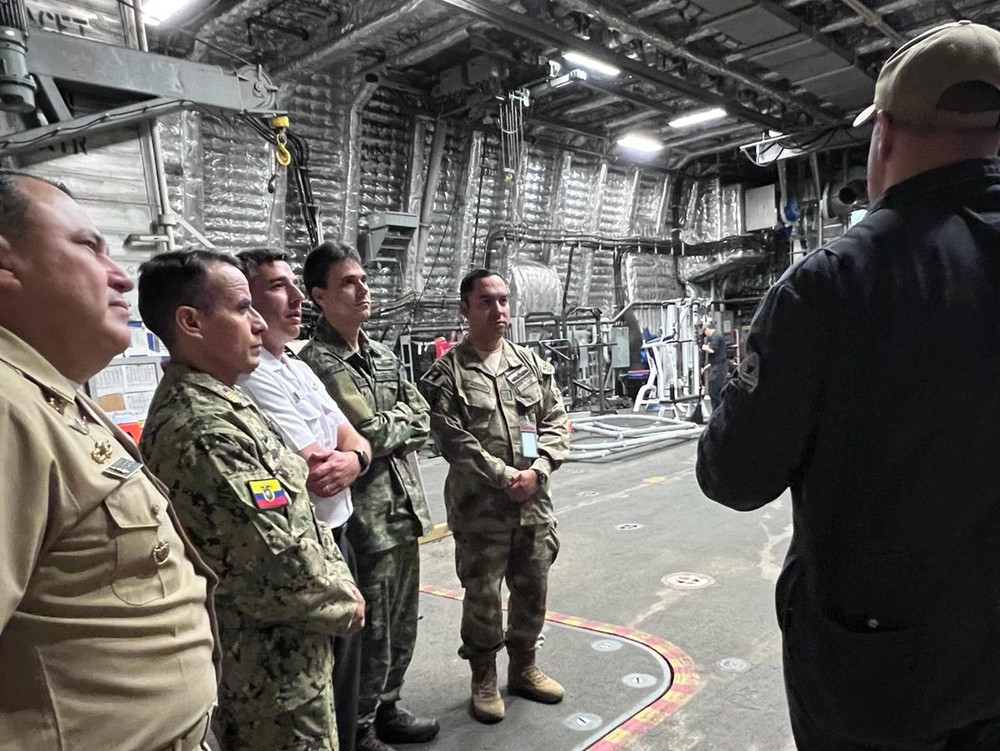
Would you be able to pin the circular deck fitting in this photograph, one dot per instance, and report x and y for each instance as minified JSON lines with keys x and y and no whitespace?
{"x":733,"y":665}
{"x":628,"y":527}
{"x":606,"y":645}
{"x":588,"y":493}
{"x":639,"y":680}
{"x":583,"y":721}
{"x":688,"y":580}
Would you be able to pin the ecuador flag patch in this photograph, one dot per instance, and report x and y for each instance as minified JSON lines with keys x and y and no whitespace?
{"x":268,"y":493}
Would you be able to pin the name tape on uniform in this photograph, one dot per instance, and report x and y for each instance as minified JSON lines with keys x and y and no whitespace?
{"x":122,"y":468}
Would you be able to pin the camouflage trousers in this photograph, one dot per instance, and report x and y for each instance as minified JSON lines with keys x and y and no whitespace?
{"x":310,"y":727}
{"x":390,"y":582}
{"x":483,"y":561}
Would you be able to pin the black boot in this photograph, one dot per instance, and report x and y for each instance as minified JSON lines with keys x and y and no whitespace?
{"x":368,"y":741}
{"x":395,"y":725}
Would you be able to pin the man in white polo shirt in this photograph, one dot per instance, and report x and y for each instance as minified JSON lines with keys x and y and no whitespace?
{"x":311,"y":423}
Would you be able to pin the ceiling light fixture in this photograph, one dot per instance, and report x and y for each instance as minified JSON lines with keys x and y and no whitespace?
{"x":639,"y":142}
{"x":590,"y":63}
{"x":696,"y":118}
{"x":156,"y":12}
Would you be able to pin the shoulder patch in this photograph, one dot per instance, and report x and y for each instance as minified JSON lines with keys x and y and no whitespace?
{"x":268,"y":493}
{"x":748,"y":374}
{"x":434,"y":377}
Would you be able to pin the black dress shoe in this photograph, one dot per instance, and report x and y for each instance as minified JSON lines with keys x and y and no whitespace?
{"x":368,"y":741}
{"x":393,"y":724}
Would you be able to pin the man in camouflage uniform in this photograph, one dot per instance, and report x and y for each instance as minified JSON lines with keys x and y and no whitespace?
{"x":390,"y":510}
{"x":284,"y":589}
{"x":499,"y":421}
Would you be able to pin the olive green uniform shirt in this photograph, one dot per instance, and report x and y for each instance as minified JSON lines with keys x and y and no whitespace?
{"x":371,"y":388}
{"x":106,"y":635}
{"x":477,"y":419}
{"x":282,"y":591}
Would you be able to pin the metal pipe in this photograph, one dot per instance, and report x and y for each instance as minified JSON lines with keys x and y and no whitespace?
{"x":369,"y":32}
{"x":447,"y":35}
{"x":618,"y":123}
{"x":430,"y":190}
{"x":818,"y":184}
{"x":725,"y":130}
{"x":352,"y":204}
{"x":590,"y":104}
{"x":165,"y":219}
{"x":718,"y":149}
{"x":621,"y":21}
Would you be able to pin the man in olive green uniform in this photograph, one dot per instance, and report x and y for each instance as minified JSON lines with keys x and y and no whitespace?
{"x":284,"y":589}
{"x":106,"y":627}
{"x":499,"y":421}
{"x":390,"y":513}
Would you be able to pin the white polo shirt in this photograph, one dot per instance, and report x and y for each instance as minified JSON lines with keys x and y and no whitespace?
{"x":288,"y":392}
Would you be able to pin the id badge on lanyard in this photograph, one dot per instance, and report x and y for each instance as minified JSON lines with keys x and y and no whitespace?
{"x":529,"y":442}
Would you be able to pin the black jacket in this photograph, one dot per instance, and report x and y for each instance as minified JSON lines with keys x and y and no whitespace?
{"x":872,"y":390}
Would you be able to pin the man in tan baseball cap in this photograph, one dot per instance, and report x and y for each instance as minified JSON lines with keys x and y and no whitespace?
{"x":937,"y":101}
{"x":888,"y":599}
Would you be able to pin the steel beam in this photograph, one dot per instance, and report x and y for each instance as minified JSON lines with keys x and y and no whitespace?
{"x":94,"y":64}
{"x":50,"y":100}
{"x":616,"y":17}
{"x":873,"y":18}
{"x":530,"y":28}
{"x":445,"y":36}
{"x":577,"y":130}
{"x":369,"y":32}
{"x":102,"y":122}
{"x":636,"y":99}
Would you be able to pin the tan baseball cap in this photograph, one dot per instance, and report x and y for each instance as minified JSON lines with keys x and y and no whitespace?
{"x":911,"y":82}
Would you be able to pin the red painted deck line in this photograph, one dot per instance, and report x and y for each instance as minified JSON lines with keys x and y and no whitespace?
{"x":684,"y":685}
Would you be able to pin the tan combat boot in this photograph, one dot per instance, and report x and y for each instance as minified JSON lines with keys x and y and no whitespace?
{"x":525,"y":679}
{"x":487,"y":706}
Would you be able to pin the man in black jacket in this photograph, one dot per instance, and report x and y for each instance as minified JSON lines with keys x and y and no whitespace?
{"x":889,"y":601}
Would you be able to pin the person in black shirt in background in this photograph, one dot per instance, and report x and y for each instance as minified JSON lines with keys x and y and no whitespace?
{"x":714,"y":344}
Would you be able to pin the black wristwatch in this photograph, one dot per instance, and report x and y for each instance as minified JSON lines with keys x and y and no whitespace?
{"x":363,"y":460}
{"x":543,"y":479}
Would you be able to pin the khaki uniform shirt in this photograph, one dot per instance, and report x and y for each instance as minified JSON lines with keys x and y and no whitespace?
{"x":241,"y":495}
{"x":372,"y":390}
{"x":476,"y":419}
{"x":106,"y":635}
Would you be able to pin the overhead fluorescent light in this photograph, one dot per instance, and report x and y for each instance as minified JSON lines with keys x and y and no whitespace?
{"x":590,"y":63}
{"x":639,"y":142}
{"x":156,"y":12}
{"x":696,"y":118}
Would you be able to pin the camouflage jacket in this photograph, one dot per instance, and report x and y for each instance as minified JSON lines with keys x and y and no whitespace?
{"x":371,"y":388}
{"x":240,"y":494}
{"x":476,"y":419}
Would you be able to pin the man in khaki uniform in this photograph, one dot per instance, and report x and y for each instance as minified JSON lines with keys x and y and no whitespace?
{"x":106,"y":627}
{"x":284,"y":588}
{"x":499,"y":421}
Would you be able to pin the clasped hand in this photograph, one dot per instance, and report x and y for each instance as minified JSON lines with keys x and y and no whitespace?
{"x":331,"y":471}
